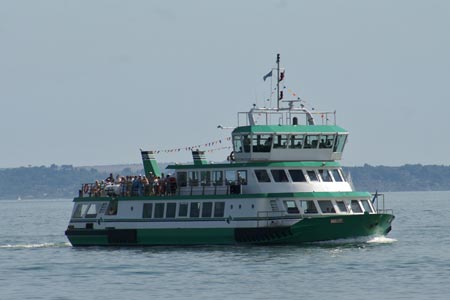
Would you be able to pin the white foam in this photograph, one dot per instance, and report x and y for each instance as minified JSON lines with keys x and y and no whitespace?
{"x":381,"y":240}
{"x":32,"y":246}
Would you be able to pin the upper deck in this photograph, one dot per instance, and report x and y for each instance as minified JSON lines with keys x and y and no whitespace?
{"x":278,"y":134}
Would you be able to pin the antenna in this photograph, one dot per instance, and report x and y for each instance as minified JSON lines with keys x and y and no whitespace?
{"x":278,"y":81}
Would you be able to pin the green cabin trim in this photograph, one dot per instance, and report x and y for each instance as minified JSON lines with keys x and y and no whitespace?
{"x":287,"y":164}
{"x":328,"y":129}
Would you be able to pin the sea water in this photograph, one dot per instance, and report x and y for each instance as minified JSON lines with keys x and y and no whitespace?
{"x":412,"y":262}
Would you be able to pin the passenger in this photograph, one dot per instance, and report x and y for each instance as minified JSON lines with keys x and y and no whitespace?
{"x":173,"y":185}
{"x":146,"y":186}
{"x":140,"y":186}
{"x":123,"y":187}
{"x":167,"y":185}
{"x":110,"y":178}
{"x":156,"y":185}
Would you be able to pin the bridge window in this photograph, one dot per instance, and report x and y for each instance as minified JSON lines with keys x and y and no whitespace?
{"x":230,"y":177}
{"x":237,"y":143}
{"x":281,"y":141}
{"x":311,"y":141}
{"x":159,"y":210}
{"x":312,"y":175}
{"x":147,"y":210}
{"x":297,"y":175}
{"x":195,"y":210}
{"x":326,"y":141}
{"x":340,"y":142}
{"x":218,"y":177}
{"x":80,"y":211}
{"x":366,"y":206}
{"x":296,"y":141}
{"x":355,"y":207}
{"x":246,"y":142}
{"x":205,"y":178}
{"x":219,"y":209}
{"x":337,"y":175}
{"x":279,"y":176}
{"x":342,"y":207}
{"x":242,"y":177}
{"x":262,"y":142}
{"x":326,"y":207}
{"x":326,"y":176}
{"x":193,"y":178}
{"x":170,"y":210}
{"x":92,"y":211}
{"x":182,"y":179}
{"x":206,"y":209}
{"x":262,"y":176}
{"x":308,"y":207}
{"x":112,"y":208}
{"x":183,"y":210}
{"x":291,"y":207}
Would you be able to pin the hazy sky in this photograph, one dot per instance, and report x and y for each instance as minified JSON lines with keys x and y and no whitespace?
{"x":91,"y":82}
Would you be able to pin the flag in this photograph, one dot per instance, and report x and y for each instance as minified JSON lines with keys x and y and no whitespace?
{"x":281,"y":76}
{"x":267,"y":75}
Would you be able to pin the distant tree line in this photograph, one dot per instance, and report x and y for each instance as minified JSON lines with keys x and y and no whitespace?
{"x":64,"y":181}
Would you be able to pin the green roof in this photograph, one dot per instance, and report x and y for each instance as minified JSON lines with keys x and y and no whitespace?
{"x":290,"y":128}
{"x":311,"y":164}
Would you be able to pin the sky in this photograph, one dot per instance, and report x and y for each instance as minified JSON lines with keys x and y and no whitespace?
{"x":90,"y":82}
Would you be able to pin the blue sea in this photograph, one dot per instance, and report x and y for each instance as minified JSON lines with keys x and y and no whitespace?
{"x":412,"y":262}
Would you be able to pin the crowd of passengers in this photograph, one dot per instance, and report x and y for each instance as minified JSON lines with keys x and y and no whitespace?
{"x":140,"y":185}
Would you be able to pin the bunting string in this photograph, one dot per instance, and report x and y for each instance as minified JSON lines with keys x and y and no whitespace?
{"x":199,"y":146}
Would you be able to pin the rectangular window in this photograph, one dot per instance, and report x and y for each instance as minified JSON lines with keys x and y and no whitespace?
{"x":296,"y":141}
{"x":312,"y":175}
{"x":170,"y":210}
{"x":262,"y":142}
{"x":281,"y":141}
{"x":112,"y":208}
{"x":193,"y":178}
{"x":247,"y":142}
{"x":230,"y":177}
{"x":159,"y":210}
{"x":355,"y":207}
{"x":342,"y":207}
{"x":326,"y":141}
{"x":219,"y":209}
{"x":206,"y":209}
{"x":326,"y":176}
{"x":195,"y":210}
{"x":279,"y":176}
{"x":242,"y":177}
{"x":237,"y":143}
{"x":337,"y":175}
{"x":183,"y":210}
{"x":297,"y":175}
{"x":340,"y":142}
{"x":262,"y":176}
{"x":311,"y":141}
{"x":92,"y":211}
{"x":218,"y":177}
{"x":147,"y":210}
{"x":308,"y":207}
{"x":366,"y":205}
{"x":291,"y":207}
{"x":182,"y":179}
{"x":326,"y":207}
{"x":205,"y":178}
{"x":80,"y":211}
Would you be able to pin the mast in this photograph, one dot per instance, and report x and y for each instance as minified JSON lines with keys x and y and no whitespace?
{"x":278,"y":81}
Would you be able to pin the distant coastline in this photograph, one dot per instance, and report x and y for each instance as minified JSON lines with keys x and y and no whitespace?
{"x":64,"y":181}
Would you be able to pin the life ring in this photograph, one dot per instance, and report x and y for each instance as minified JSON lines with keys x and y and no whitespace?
{"x":86,"y":188}
{"x":231,"y":156}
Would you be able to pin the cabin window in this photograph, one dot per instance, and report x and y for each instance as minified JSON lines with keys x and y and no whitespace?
{"x":219,"y":209}
{"x":296,"y":141}
{"x":159,"y":210}
{"x":147,"y":210}
{"x":242,"y":177}
{"x":112,"y":208}
{"x":342,"y":207}
{"x":311,"y":141}
{"x":279,"y":176}
{"x":218,"y":177}
{"x":207,"y":209}
{"x":193,"y":178}
{"x":205,"y":178}
{"x":92,"y":211}
{"x":237,"y":143}
{"x":325,"y":175}
{"x":340,"y":142}
{"x":308,"y":207}
{"x":281,"y":141}
{"x":262,"y":142}
{"x":337,"y":175}
{"x":183,"y":210}
{"x":291,"y":207}
{"x":355,"y":207}
{"x":366,"y":205}
{"x":195,"y":210}
{"x":326,"y":207}
{"x":297,"y":175}
{"x":312,"y":175}
{"x":326,"y":141}
{"x":262,"y":176}
{"x":170,"y":210}
{"x":247,"y":143}
{"x":230,"y":177}
{"x":80,"y":211}
{"x":182,"y":179}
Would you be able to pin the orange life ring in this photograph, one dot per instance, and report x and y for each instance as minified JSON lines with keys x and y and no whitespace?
{"x":86,"y":188}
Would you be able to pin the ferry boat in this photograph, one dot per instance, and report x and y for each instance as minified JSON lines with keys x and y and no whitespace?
{"x":282,"y":184}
